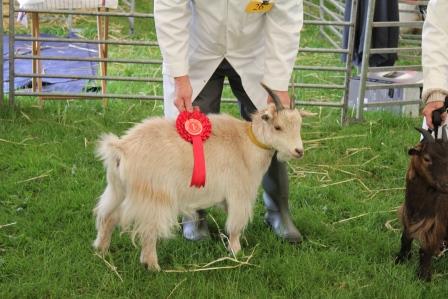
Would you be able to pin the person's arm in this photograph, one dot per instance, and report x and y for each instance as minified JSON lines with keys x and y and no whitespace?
{"x":435,"y":58}
{"x":172,"y":20}
{"x":282,"y":36}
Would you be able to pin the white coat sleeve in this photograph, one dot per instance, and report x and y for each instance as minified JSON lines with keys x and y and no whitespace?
{"x":282,"y":36}
{"x":172,"y":19}
{"x":435,"y":52}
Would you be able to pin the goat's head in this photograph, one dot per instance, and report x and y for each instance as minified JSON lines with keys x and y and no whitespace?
{"x":430,"y":160}
{"x":281,"y":128}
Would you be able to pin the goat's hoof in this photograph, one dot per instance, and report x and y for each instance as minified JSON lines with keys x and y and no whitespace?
{"x":235,"y":249}
{"x":424,"y":275}
{"x":100,"y":247}
{"x":401,"y":258}
{"x":150,"y":262}
{"x":151,"y":267}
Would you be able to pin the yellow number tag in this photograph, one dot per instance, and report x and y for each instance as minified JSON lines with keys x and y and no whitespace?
{"x":255,"y":6}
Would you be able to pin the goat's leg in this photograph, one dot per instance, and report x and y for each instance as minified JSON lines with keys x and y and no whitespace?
{"x":148,"y":256}
{"x":405,"y":251}
{"x":239,"y":213}
{"x":424,"y":268}
{"x":107,"y":216}
{"x":104,"y":235}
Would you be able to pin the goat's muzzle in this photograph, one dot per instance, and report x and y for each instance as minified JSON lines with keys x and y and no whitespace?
{"x":298,"y":153}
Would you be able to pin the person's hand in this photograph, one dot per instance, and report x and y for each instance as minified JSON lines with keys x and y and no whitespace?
{"x":284,"y":98}
{"x":427,"y":112}
{"x":183,"y":93}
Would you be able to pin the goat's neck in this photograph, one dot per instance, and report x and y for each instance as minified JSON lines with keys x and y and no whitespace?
{"x":258,"y":128}
{"x":255,"y":140}
{"x":263,"y":151}
{"x":258,"y":131}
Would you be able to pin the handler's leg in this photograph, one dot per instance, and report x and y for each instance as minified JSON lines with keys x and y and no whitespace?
{"x":195,"y":228}
{"x":208,"y":100}
{"x":275,"y":181}
{"x":275,"y":197}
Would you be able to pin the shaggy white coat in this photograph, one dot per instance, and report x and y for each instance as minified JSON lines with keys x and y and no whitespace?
{"x":149,"y":171}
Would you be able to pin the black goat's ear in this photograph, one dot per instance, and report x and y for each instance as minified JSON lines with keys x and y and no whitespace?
{"x":414,"y":151}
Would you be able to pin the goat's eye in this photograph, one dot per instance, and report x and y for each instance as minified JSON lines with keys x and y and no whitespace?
{"x":278,"y":128}
{"x":427,"y":159}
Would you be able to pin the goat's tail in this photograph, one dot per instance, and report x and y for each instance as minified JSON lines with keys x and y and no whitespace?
{"x":108,"y":150}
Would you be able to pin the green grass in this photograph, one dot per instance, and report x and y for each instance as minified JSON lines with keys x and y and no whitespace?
{"x":50,"y":181}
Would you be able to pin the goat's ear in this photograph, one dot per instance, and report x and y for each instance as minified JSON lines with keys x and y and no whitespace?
{"x":304,"y":113}
{"x":415,"y":151}
{"x":269,"y":113}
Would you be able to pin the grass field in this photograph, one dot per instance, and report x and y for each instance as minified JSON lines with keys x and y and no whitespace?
{"x":344,"y":195}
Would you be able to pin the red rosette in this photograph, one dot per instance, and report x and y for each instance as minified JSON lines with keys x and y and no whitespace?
{"x":195,"y":127}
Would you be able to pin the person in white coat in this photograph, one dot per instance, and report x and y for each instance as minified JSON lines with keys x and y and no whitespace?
{"x":202,"y":42}
{"x":435,"y":58}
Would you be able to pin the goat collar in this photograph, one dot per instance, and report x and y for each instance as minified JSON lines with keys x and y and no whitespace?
{"x":254,"y":139}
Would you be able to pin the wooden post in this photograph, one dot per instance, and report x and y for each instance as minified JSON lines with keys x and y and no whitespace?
{"x":103,"y":34}
{"x":5,"y":6}
{"x":36,"y":63}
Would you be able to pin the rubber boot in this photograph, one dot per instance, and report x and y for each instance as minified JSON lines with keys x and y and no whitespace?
{"x":275,"y":197}
{"x":195,"y":228}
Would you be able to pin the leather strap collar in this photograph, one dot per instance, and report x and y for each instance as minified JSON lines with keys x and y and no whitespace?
{"x":254,"y":139}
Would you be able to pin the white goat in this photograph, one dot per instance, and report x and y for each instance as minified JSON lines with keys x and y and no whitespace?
{"x":149,"y":171}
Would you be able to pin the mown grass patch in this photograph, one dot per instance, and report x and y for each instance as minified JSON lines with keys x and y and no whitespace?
{"x":343,"y":193}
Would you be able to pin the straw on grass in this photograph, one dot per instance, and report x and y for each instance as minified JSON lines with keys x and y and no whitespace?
{"x":317,"y":243}
{"x":26,"y":116}
{"x":45,"y":174}
{"x":389,"y":226}
{"x":109,"y":265}
{"x":338,"y":183}
{"x":239,"y":263}
{"x":8,"y":224}
{"x":365,"y":214}
{"x":222,"y":236}
{"x":370,"y":160}
{"x":12,"y":142}
{"x":175,"y":287}
{"x":334,"y":138}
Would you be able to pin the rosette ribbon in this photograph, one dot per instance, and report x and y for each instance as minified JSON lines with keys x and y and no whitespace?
{"x":195,"y":127}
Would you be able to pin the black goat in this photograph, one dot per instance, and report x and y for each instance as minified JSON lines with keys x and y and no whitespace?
{"x":424,"y":214}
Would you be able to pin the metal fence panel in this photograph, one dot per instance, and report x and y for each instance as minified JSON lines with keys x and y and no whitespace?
{"x":365,"y":68}
{"x":103,"y":41}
